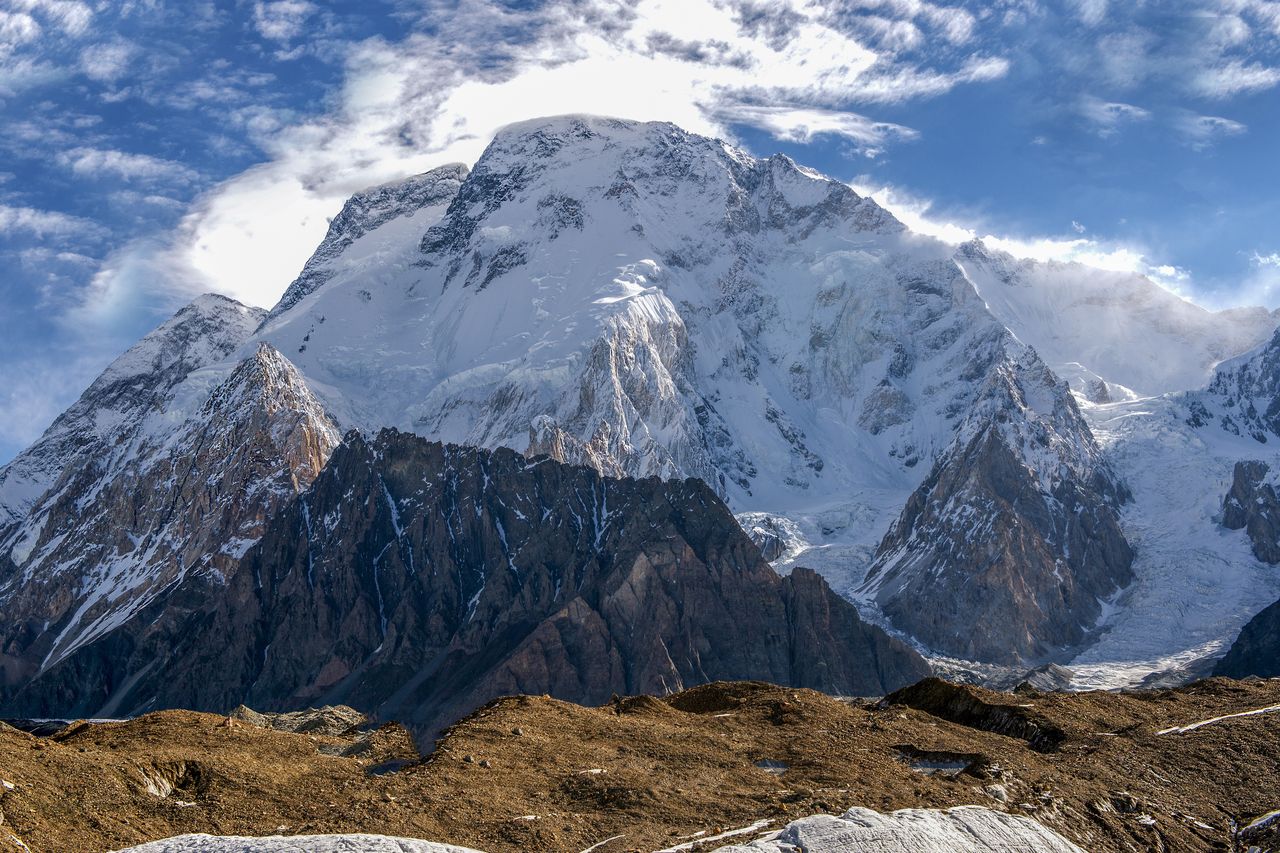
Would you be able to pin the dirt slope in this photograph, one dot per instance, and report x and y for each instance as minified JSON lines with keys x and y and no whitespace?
{"x":530,"y":773}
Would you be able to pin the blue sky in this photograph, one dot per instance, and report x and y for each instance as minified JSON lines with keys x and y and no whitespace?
{"x":152,"y":150}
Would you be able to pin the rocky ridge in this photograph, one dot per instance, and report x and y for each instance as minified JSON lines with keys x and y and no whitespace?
{"x":370,"y":210}
{"x":125,"y":399}
{"x":119,"y":532}
{"x":415,"y":581}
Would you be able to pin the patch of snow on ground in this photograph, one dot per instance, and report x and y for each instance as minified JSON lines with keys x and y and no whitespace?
{"x":1177,"y":730}
{"x":967,"y":829}
{"x":294,"y":844}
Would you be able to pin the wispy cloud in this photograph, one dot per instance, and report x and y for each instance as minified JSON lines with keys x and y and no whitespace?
{"x":108,"y":61}
{"x":96,"y":162}
{"x":1090,"y":12}
{"x":802,"y":124}
{"x":438,"y":96}
{"x":1201,"y":132}
{"x":1235,"y":77}
{"x":1107,"y":117}
{"x":918,"y":214}
{"x":16,"y":29}
{"x":45,"y":223}
{"x":282,"y":20}
{"x":71,"y":17}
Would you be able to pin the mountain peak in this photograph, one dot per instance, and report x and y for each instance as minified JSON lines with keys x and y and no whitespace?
{"x":419,"y":197}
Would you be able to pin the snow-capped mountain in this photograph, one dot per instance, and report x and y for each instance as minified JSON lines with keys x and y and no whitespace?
{"x":650,"y":302}
{"x":125,"y":400}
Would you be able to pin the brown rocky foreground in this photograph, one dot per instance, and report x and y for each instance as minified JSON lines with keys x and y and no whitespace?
{"x":531,"y":773}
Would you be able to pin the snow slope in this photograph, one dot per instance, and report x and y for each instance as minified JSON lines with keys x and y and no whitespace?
{"x":1197,"y":583}
{"x":128,"y":394}
{"x":1090,"y":324}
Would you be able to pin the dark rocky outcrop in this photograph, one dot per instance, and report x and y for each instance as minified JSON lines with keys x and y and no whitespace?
{"x":333,"y":720}
{"x":975,"y":708}
{"x":416,"y":581}
{"x":986,"y":564}
{"x":1257,"y":650}
{"x":1252,"y":505}
{"x":1244,"y":394}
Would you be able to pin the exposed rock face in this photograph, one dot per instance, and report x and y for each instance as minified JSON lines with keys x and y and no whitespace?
{"x":1244,"y":396}
{"x":1257,"y":650}
{"x":332,"y":720}
{"x":368,"y":211}
{"x":1252,"y":504}
{"x":1005,"y":550}
{"x":137,"y":386}
{"x":114,"y":534}
{"x":416,"y":580}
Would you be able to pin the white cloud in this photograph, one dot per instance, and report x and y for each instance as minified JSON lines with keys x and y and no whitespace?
{"x":106,"y":62}
{"x":70,"y":16}
{"x":438,"y":97}
{"x":1271,"y":260}
{"x":801,"y":124}
{"x":130,"y":283}
{"x":97,"y":162}
{"x":282,"y":20}
{"x":16,"y":28}
{"x":20,"y":74}
{"x":916,"y":214}
{"x":1202,"y":132}
{"x":1108,"y":116}
{"x":1234,"y":77}
{"x":1091,"y":12}
{"x":45,"y":223}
